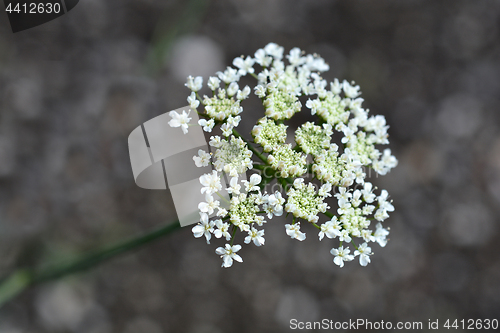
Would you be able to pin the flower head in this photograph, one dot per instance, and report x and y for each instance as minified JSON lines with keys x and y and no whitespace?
{"x":232,"y":156}
{"x":221,"y":106}
{"x":304,"y":202}
{"x":281,"y":104}
{"x":312,"y":139}
{"x":268,"y":134}
{"x":340,"y":118}
{"x":287,"y":161}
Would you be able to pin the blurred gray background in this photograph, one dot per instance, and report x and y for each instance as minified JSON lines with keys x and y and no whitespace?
{"x":73,"y":89}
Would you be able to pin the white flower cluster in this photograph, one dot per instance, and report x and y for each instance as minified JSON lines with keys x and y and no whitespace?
{"x":303,"y":201}
{"x":339,"y":170}
{"x":246,"y":212}
{"x":232,"y":157}
{"x":268,"y":134}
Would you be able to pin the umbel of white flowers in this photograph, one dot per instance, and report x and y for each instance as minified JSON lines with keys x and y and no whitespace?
{"x":339,"y":112}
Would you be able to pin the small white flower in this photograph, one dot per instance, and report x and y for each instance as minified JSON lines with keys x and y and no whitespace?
{"x":368,"y":196}
{"x":324,"y":190}
{"x":243,"y":94}
{"x":222,"y":212}
{"x":226,"y":129}
{"x":272,"y":210}
{"x":228,"y":254}
{"x":204,"y":228}
{"x":234,"y":186}
{"x":210,"y":205}
{"x":229,"y":75}
{"x":356,"y":198}
{"x":368,"y":209}
{"x":389,"y":160}
{"x":344,"y":236}
{"x":255,"y":180}
{"x":222,"y":230}
{"x":350,"y":91}
{"x":208,"y":125}
{"x":211,"y":183}
{"x":260,"y":91}
{"x":203,"y":159}
{"x":194,"y":84}
{"x":381,"y":235}
{"x":336,"y":87}
{"x":367,"y":235}
{"x":295,"y":57}
{"x":383,"y":203}
{"x":213,"y":83}
{"x":343,"y":196}
{"x":245,"y":66}
{"x":341,"y":255}
{"x":315,"y":64}
{"x":193,"y":101}
{"x":276,"y":199}
{"x":364,"y":252}
{"x":252,"y":184}
{"x":381,"y":215}
{"x":234,"y":121}
{"x":262,"y":59}
{"x":293,"y":230}
{"x":331,"y":229}
{"x":180,"y":120}
{"x":215,"y":141}
{"x":232,"y":89}
{"x":349,"y":135}
{"x":256,"y":236}
{"x":274,"y":50}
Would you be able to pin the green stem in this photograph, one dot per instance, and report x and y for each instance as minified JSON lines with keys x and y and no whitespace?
{"x":317,"y":226}
{"x":283,"y":182}
{"x":327,"y":213}
{"x":265,"y":181}
{"x":232,"y":236}
{"x":220,"y":196}
{"x":21,"y":279}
